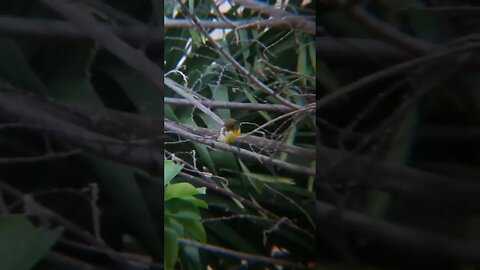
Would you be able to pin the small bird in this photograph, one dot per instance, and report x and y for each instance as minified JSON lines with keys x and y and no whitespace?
{"x":230,"y":131}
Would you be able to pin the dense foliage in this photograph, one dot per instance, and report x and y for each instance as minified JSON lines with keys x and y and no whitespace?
{"x":259,"y":214}
{"x":82,"y":172}
{"x":397,"y":113}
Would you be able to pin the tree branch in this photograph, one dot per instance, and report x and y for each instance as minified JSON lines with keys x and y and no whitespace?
{"x":398,"y":236}
{"x":385,"y":73}
{"x":240,"y":255}
{"x":264,"y":88}
{"x":278,"y":23}
{"x":42,"y":158}
{"x":262,"y":143}
{"x":177,"y":129}
{"x":73,"y":127}
{"x":86,"y":236}
{"x":98,"y":32}
{"x":391,"y":178}
{"x":297,"y":22}
{"x":385,"y":31}
{"x":231,"y":105}
{"x":56,"y":29}
{"x":359,"y":50}
{"x":404,"y":181}
{"x":189,"y":97}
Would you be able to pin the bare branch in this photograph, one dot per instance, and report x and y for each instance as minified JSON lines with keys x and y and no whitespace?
{"x":112,"y":12}
{"x":98,"y":32}
{"x":67,"y":262}
{"x":297,"y":22}
{"x":42,"y":158}
{"x":57,"y":29}
{"x":81,"y":233}
{"x":398,"y":236}
{"x":234,"y":62}
{"x":180,"y":90}
{"x":278,"y":23}
{"x":384,"y":73}
{"x":385,"y":31}
{"x":399,"y":180}
{"x":240,"y":255}
{"x":449,"y":9}
{"x":231,"y":105}
{"x":177,"y":129}
{"x":359,"y":49}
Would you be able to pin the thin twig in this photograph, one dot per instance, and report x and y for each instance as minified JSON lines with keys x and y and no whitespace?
{"x":408,"y":182}
{"x":399,"y":236}
{"x":240,"y":255}
{"x":98,"y":32}
{"x":276,"y":23}
{"x":230,"y":105}
{"x":112,"y":12}
{"x":419,"y":92}
{"x":139,"y":262}
{"x":306,"y":110}
{"x":218,"y":188}
{"x":297,"y":22}
{"x":259,"y":142}
{"x":222,"y":146}
{"x":41,"y":113}
{"x":385,"y":31}
{"x":234,"y":62}
{"x":370,"y":108}
{"x":382,"y":74}
{"x":226,"y":20}
{"x":60,"y":29}
{"x":180,"y":90}
{"x":221,"y":190}
{"x":286,"y":221}
{"x":66,"y":262}
{"x":42,"y":158}
{"x":452,"y":9}
{"x":290,"y":200}
{"x":359,"y":50}
{"x":86,"y":236}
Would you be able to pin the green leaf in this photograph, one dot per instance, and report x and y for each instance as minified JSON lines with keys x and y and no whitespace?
{"x":271,"y":178}
{"x":188,"y":216}
{"x":302,"y":67}
{"x":170,"y":248}
{"x":312,"y":53}
{"x":245,"y":43}
{"x":252,"y":180}
{"x":16,"y":69}
{"x":170,"y":114}
{"x":220,"y":93}
{"x":70,"y":82}
{"x":170,"y":170}
{"x":180,"y":190}
{"x":201,"y":148}
{"x":195,"y":230}
{"x":252,"y":99}
{"x":119,"y":182}
{"x":21,"y":244}
{"x":190,"y":258}
{"x":196,"y":37}
{"x":176,"y":46}
{"x":197,"y":202}
{"x":230,"y":235}
{"x":74,"y":89}
{"x":146,"y":96}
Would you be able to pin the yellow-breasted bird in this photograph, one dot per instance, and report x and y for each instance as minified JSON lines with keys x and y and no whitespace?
{"x":230,"y":131}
